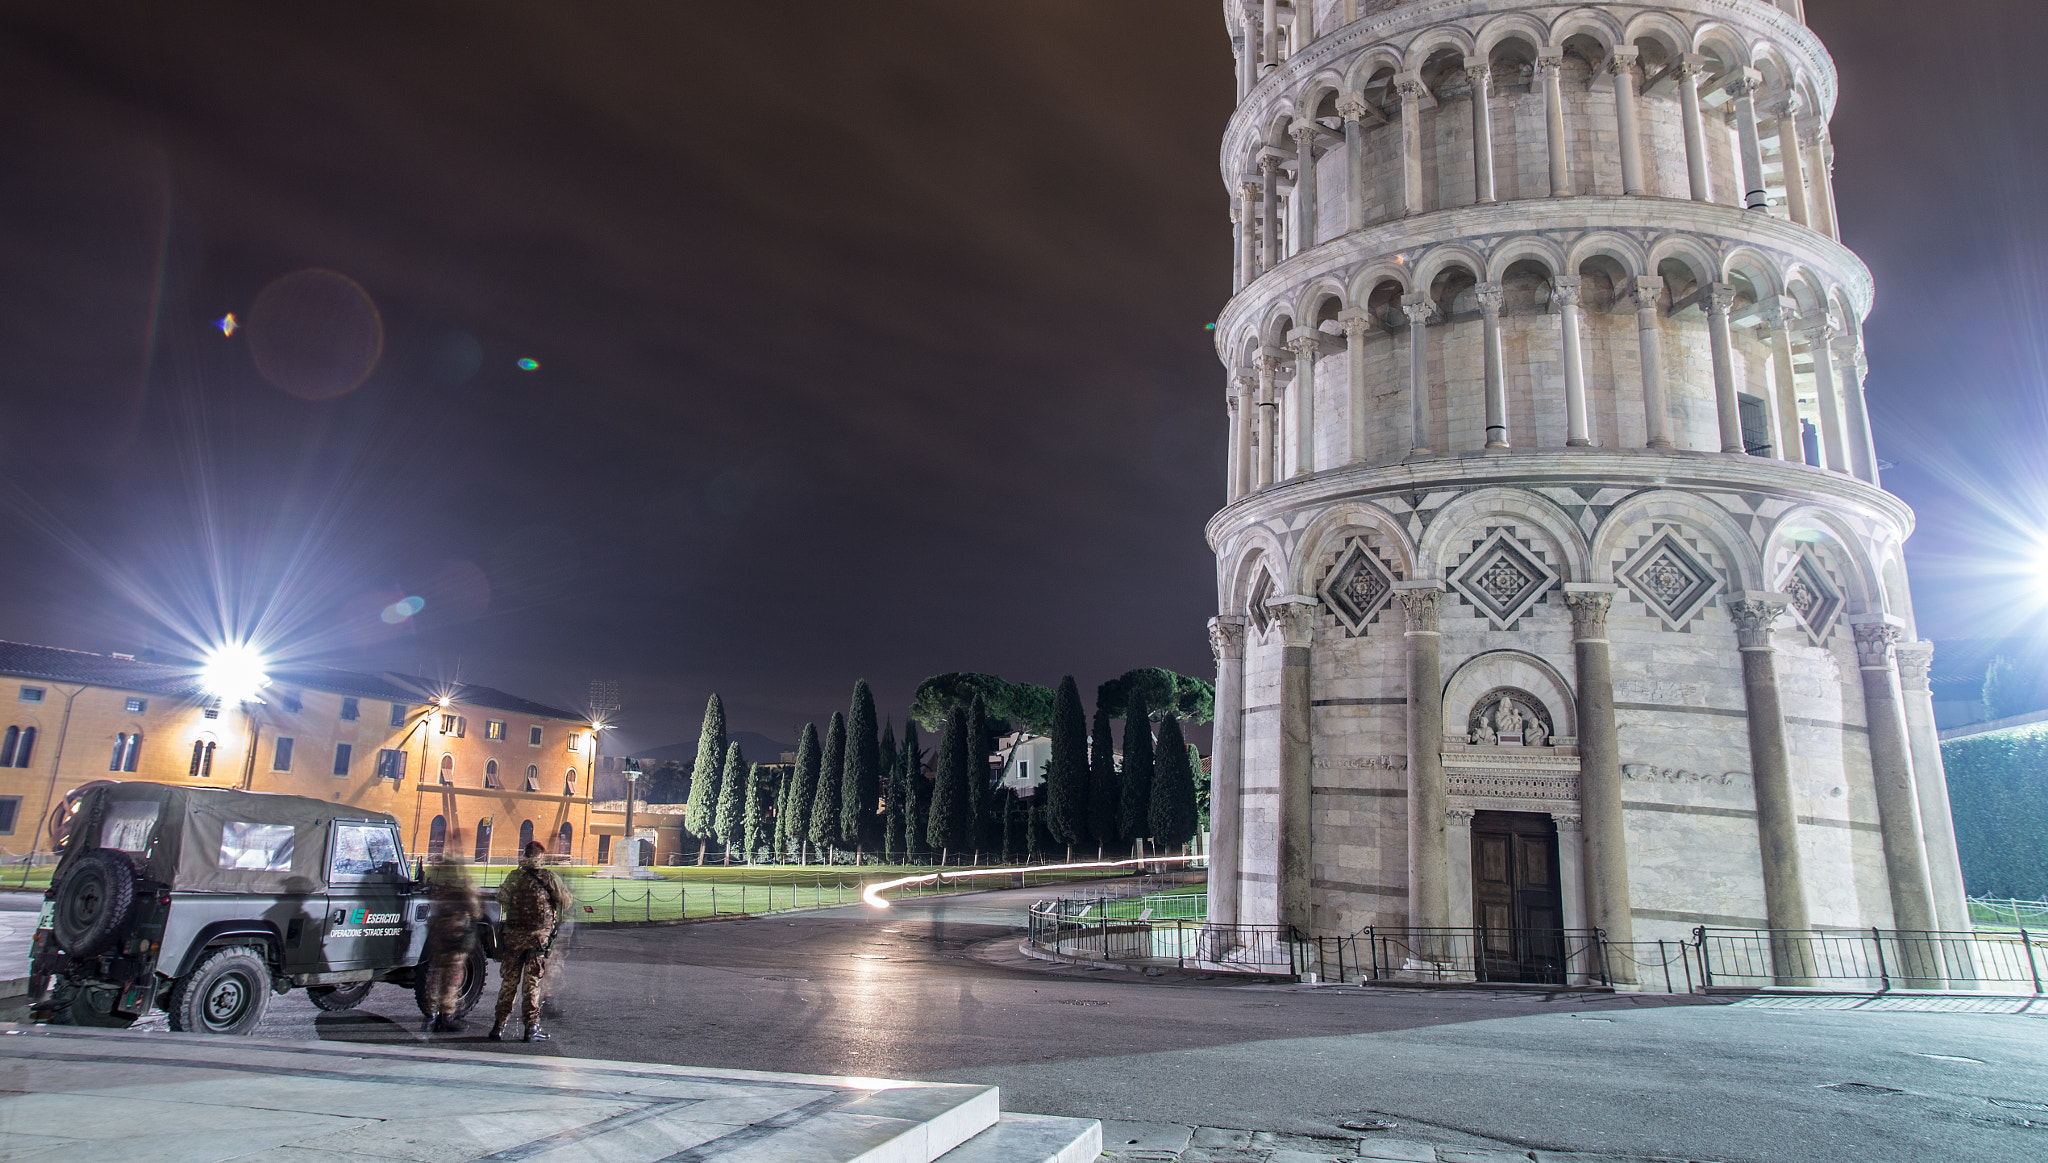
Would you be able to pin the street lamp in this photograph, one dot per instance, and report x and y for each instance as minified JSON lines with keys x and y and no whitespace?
{"x":233,"y":672}
{"x":631,"y":860}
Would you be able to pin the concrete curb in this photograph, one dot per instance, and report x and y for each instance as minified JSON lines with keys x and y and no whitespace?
{"x":1025,"y":948}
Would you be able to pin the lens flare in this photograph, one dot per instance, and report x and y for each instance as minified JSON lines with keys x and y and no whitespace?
{"x":529,"y":364}
{"x":233,"y":673}
{"x":402,"y":609}
{"x":872,"y":894}
{"x":227,"y":324}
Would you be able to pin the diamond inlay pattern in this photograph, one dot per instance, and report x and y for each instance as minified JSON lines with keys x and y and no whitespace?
{"x":1357,"y":587}
{"x":1262,"y":589}
{"x":1814,"y":598}
{"x":1671,"y":578}
{"x":1504,"y":578}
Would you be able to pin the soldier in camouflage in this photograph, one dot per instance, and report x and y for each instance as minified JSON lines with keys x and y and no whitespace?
{"x":451,"y":941}
{"x":531,"y":901}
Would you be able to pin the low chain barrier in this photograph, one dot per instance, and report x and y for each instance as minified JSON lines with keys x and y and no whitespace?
{"x":2016,"y":913}
{"x":1874,"y":960}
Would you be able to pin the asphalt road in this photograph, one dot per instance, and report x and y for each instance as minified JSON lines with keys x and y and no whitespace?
{"x":934,"y":990}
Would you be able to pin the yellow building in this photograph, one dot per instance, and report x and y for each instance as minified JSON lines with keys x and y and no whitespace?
{"x":465,"y":768}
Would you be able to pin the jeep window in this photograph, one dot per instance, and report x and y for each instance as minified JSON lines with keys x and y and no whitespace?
{"x":261,"y":847}
{"x":128,"y":825}
{"x":364,"y":849}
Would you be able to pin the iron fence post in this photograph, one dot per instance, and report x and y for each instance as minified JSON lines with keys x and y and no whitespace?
{"x":1665,"y":959}
{"x":2033,"y":966}
{"x":1699,"y":936}
{"x":1883,"y":975}
{"x":1600,"y":944}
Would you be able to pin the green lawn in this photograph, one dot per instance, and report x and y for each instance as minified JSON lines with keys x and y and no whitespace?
{"x":1179,"y":905}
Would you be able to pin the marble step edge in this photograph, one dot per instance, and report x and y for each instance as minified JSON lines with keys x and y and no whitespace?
{"x":1032,"y":1139}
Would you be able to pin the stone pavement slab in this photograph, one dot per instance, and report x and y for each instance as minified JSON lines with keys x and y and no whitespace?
{"x":1153,"y":1143}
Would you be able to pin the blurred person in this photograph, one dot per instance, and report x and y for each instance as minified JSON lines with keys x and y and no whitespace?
{"x":451,"y":940}
{"x":531,"y":902}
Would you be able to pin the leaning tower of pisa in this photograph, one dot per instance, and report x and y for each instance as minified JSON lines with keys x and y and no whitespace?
{"x":1557,"y":587}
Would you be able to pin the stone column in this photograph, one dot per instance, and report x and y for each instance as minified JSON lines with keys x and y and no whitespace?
{"x":1241,"y":447}
{"x":1248,"y":231}
{"x":1305,"y":346}
{"x":1304,"y":134}
{"x":1482,"y":133}
{"x":1417,"y":308}
{"x":1756,"y":195}
{"x":1719,"y":301}
{"x":1412,"y":91}
{"x":1770,"y":762}
{"x":1269,"y":204}
{"x":1489,"y":295}
{"x":1689,"y":68}
{"x":1238,"y":278}
{"x":1579,"y":432}
{"x":1862,"y":451}
{"x":1788,"y":156}
{"x":1824,"y":184}
{"x":1778,"y":315}
{"x":1226,"y":774}
{"x":1429,"y":894}
{"x":1304,"y":23}
{"x":1623,"y":65}
{"x":1356,"y":324}
{"x":1606,"y":834}
{"x":1230,"y":407}
{"x":1550,"y":65}
{"x":1834,"y":453}
{"x":1353,"y":109}
{"x":1649,"y":293}
{"x":1297,"y":620}
{"x":1268,"y":458}
{"x":1269,"y":38}
{"x":1937,"y":821}
{"x":1891,"y":769}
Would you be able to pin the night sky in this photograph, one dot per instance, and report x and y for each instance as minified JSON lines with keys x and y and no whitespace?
{"x":870,"y":336}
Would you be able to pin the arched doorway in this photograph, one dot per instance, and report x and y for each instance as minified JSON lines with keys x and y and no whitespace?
{"x":483,"y":841}
{"x":437,"y":836}
{"x":564,"y":839}
{"x":646,"y":854}
{"x":447,"y":769}
{"x":525,"y":835}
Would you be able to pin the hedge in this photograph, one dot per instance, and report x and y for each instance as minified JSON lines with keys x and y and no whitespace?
{"x":1998,"y":789}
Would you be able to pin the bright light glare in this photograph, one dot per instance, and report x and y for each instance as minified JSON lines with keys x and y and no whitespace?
{"x":234,"y":673}
{"x":872,"y":894}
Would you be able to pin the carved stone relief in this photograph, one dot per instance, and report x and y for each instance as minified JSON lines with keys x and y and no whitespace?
{"x":1509,"y":717}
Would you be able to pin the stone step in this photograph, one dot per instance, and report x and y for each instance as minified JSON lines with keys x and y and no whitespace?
{"x":1032,"y":1139}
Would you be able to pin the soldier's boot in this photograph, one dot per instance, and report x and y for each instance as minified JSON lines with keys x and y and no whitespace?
{"x":432,"y":1021}
{"x":498,"y":1030}
{"x":449,"y":1024}
{"x":535,"y":1034}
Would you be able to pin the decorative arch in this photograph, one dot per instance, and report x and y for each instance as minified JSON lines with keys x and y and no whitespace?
{"x":1511,"y":670}
{"x":1434,"y":40}
{"x":1719,"y":42}
{"x":1589,"y":22}
{"x":1760,"y":270}
{"x":1326,"y":534}
{"x":1665,"y":30}
{"x":1730,"y":540}
{"x":1519,"y":247}
{"x":1510,"y":27}
{"x":1610,"y":244}
{"x":1368,"y":64}
{"x":1445,"y":257}
{"x":1363,"y":282}
{"x":1815,"y":524}
{"x":1470,"y":513}
{"x":1309,"y":304}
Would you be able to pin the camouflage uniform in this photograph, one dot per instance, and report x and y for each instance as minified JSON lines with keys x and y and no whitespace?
{"x":451,"y":935}
{"x":530,"y":901}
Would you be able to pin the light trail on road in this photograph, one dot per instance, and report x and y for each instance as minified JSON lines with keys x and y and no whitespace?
{"x":871,"y":894}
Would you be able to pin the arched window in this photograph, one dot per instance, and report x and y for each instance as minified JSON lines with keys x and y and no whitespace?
{"x":646,"y":859}
{"x":27,"y":749}
{"x":127,"y":752}
{"x":491,"y":774}
{"x":532,"y":777}
{"x":569,"y":783}
{"x":483,"y":842}
{"x":525,"y":835}
{"x":437,"y":836}
{"x":120,"y":749}
{"x":448,"y":769}
{"x":563,"y":839}
{"x":7,"y":748}
{"x":202,"y":758}
{"x":604,"y":849}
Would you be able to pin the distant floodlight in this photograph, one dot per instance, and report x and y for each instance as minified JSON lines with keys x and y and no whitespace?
{"x":234,"y":673}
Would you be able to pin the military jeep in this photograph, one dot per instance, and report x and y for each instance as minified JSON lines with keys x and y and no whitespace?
{"x":203,"y":902}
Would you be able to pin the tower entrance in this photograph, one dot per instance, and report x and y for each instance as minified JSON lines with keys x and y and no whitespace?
{"x":1517,"y":907}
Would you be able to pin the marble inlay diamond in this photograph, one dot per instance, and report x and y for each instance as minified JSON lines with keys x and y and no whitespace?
{"x":1814,"y":598}
{"x":1504,"y":579}
{"x":1262,"y":589}
{"x":1670,"y":578}
{"x":1357,"y":587}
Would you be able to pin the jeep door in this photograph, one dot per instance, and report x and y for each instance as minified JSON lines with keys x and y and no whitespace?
{"x":365,"y":926}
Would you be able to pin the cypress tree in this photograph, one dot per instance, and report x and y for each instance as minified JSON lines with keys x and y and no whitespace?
{"x":1040,"y":841}
{"x":915,"y":797}
{"x":892,"y":796}
{"x":1009,"y":821}
{"x":732,"y":805}
{"x":979,"y":816}
{"x":1173,"y":788}
{"x":1105,"y":792}
{"x":861,"y":792}
{"x":759,"y":823}
{"x":783,"y":780}
{"x":1066,"y":782}
{"x":803,"y":787}
{"x":702,"y":809}
{"x":1135,"y":814}
{"x":825,"y":808}
{"x":947,"y":827}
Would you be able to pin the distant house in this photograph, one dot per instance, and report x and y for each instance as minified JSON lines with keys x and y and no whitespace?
{"x":1021,"y":758}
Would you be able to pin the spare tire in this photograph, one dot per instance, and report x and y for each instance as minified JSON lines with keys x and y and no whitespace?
{"x":95,"y":903}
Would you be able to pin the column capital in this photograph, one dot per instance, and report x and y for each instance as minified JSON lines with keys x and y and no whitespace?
{"x":1549,"y":59}
{"x":1226,"y":636}
{"x":1648,"y":292}
{"x":1269,"y":161}
{"x":1819,"y":329}
{"x":1356,"y":323}
{"x":1790,"y":108}
{"x":1478,"y":73}
{"x":1303,"y":131}
{"x":1423,"y":603}
{"x":1269,"y":361}
{"x":1747,"y":83}
{"x":1915,"y":658}
{"x":1845,"y":345}
{"x":1295,"y":615}
{"x":1489,"y":296}
{"x":1589,"y":604}
{"x":1779,"y":312}
{"x":1720,"y":299}
{"x":1876,"y":634}
{"x":1417,"y":308}
{"x":1623,"y":59}
{"x":1689,"y":66}
{"x":1412,"y":90}
{"x":1458,"y":817}
{"x":1754,"y":613}
{"x":1351,"y":107}
{"x":1570,"y":289}
{"x":1569,"y":825}
{"x":1304,"y":345}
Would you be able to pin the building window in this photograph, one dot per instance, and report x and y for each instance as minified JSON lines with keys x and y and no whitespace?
{"x":18,"y":747}
{"x":483,"y":840}
{"x":532,"y":778}
{"x":10,"y":807}
{"x":213,"y":709}
{"x":31,"y":694}
{"x":399,"y":711}
{"x":494,"y":729}
{"x":563,"y":839}
{"x":604,"y":849}
{"x":491,"y":774}
{"x":343,"y":752}
{"x":351,"y":710}
{"x":454,"y":725}
{"x":575,"y":741}
{"x":1756,"y":424}
{"x":525,"y":835}
{"x":569,"y":783}
{"x":533,"y":736}
{"x":448,"y":769}
{"x":437,"y":836}
{"x":282,"y":760}
{"x":127,"y":752}
{"x":137,"y":706}
{"x":1023,"y":769}
{"x":391,"y":764}
{"x":291,"y":702}
{"x":202,"y":758}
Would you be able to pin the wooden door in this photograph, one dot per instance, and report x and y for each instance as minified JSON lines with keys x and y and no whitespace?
{"x":1517,"y":907}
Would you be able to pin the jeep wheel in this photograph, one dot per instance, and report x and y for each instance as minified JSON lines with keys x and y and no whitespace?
{"x":226,"y":994}
{"x":87,"y":1005}
{"x":95,"y":904}
{"x":473,"y":973}
{"x":337,"y":999}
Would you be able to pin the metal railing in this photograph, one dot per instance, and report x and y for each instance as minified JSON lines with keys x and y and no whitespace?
{"x":1478,"y":955}
{"x":1081,"y":928}
{"x":1875,"y":960}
